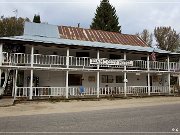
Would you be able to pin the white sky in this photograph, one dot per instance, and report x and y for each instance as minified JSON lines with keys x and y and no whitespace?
{"x":134,"y":15}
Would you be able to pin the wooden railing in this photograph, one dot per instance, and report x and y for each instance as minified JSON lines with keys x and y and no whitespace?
{"x":137,"y":90}
{"x":22,"y":91}
{"x":89,"y":91}
{"x":56,"y":60}
{"x":79,"y":91}
{"x":40,"y":59}
{"x":160,"y":89}
{"x":111,"y":90}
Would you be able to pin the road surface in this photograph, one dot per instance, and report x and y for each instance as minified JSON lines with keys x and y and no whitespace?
{"x":163,"y":119}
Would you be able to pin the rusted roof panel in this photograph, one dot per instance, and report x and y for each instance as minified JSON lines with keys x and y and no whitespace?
{"x":76,"y":33}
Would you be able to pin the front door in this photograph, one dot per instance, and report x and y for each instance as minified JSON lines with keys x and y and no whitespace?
{"x":75,"y":79}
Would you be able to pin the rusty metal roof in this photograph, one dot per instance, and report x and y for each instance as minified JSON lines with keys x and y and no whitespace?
{"x":75,"y":33}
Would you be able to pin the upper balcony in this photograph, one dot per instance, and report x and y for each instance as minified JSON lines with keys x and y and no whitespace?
{"x":39,"y":60}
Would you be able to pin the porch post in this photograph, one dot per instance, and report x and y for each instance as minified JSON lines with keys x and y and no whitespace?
{"x":67,"y":73}
{"x":31,"y":85}
{"x":179,"y":80}
{"x":1,"y":59}
{"x":31,"y":78}
{"x":149,"y":87}
{"x":67,"y":58}
{"x":125,"y":77}
{"x":14,"y":74}
{"x":169,"y":75}
{"x":168,"y":63}
{"x":15,"y":84}
{"x":32,"y":55}
{"x":98,"y":75}
{"x":169,"y":82}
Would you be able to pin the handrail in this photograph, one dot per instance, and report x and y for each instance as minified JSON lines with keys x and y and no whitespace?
{"x":41,"y":59}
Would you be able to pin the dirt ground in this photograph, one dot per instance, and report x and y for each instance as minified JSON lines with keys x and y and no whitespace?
{"x":47,"y":107}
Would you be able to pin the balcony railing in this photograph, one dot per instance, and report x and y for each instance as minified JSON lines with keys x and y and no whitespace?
{"x":56,"y":60}
{"x":89,"y":91}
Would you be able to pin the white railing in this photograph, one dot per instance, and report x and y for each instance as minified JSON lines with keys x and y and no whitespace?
{"x":140,"y":64}
{"x":90,"y":91}
{"x":80,"y":91}
{"x":137,"y":90}
{"x":111,"y":90}
{"x":20,"y":58}
{"x":159,"y":89}
{"x":174,"y":66}
{"x":158,"y":65}
{"x":79,"y":61}
{"x":6,"y":58}
{"x":40,"y":59}
{"x":22,"y":91}
{"x":73,"y":91}
{"x":49,"y":91}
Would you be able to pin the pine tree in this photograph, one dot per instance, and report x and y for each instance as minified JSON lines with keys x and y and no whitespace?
{"x":37,"y":19}
{"x":106,"y":18}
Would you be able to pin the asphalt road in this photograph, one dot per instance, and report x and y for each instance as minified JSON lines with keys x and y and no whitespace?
{"x":141,"y":120}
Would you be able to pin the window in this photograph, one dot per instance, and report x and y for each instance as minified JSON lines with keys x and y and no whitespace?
{"x":75,"y":80}
{"x":114,"y":56}
{"x":54,"y":53}
{"x":144,"y":58}
{"x":82,"y":54}
{"x":107,"y":79}
{"x":119,"y":79}
{"x":36,"y":51}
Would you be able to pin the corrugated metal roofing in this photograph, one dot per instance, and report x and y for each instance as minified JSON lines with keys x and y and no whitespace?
{"x":76,"y":33}
{"x":39,"y":29}
{"x":45,"y":33}
{"x":59,"y":41}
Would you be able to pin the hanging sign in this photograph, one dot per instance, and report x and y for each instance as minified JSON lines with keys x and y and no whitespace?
{"x":111,"y":62}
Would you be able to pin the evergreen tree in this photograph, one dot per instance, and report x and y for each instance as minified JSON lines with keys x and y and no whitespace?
{"x":37,"y":19}
{"x":106,"y":18}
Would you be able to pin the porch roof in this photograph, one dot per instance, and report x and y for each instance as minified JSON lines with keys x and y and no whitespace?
{"x":69,"y":42}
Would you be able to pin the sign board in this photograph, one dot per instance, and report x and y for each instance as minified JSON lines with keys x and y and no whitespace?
{"x":118,"y":62}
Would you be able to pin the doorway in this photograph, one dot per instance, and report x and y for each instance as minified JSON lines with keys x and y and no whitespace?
{"x":75,"y":79}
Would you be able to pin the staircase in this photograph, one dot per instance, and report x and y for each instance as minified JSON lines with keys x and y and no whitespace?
{"x":6,"y":89}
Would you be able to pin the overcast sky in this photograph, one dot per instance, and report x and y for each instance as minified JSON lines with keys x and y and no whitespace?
{"x":134,"y":15}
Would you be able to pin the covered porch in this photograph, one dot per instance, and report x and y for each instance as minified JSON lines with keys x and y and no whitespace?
{"x":86,"y":84}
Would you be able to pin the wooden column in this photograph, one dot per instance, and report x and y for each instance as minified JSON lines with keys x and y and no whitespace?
{"x":179,"y":80}
{"x":15,"y":84}
{"x":169,"y":75}
{"x":31,"y":78}
{"x":32,"y":56}
{"x":148,"y":77}
{"x":98,"y":75}
{"x":67,"y":73}
{"x":1,"y":59}
{"x":125,"y":77}
{"x":31,"y":85}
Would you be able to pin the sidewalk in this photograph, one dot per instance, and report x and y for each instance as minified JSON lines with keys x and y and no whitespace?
{"x":34,"y":107}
